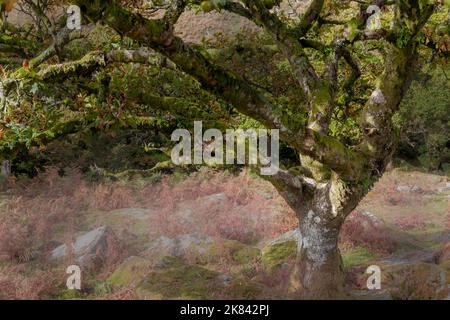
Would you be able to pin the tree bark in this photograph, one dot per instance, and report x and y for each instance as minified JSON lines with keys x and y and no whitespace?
{"x":318,"y":272}
{"x":5,"y":168}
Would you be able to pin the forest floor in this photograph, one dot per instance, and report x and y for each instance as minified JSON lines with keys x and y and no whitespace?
{"x":210,"y":235}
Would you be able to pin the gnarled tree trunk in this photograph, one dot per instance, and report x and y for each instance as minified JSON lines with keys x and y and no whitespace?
{"x":318,"y":270}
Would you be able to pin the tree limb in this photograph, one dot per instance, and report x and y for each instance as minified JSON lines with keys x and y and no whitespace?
{"x":62,"y":38}
{"x":249,"y":100}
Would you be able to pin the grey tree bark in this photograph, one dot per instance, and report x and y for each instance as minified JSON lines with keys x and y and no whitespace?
{"x":318,"y":270}
{"x":5,"y":168}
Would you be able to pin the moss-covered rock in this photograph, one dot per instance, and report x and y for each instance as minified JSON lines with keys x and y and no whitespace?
{"x":91,"y":249}
{"x":357,"y":256}
{"x":245,"y":254}
{"x":176,"y":280}
{"x":243,"y":288}
{"x":130,"y":272}
{"x":422,"y":281}
{"x":278,"y":254}
{"x":201,"y":249}
{"x":414,"y":281}
{"x":281,"y":250}
{"x":66,"y":294}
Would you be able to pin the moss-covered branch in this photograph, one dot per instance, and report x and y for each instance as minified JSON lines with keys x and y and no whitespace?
{"x":249,"y":100}
{"x":157,"y":168}
{"x":401,"y":62}
{"x":62,"y":38}
{"x":99,"y":59}
{"x":13,"y":142}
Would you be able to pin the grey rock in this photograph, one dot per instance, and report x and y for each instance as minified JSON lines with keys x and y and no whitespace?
{"x":265,"y":195}
{"x":224,"y":279}
{"x":371,"y":218}
{"x":180,"y":246}
{"x":411,"y":258}
{"x":214,"y":198}
{"x":161,"y":247}
{"x":444,"y":189}
{"x":408,"y":188}
{"x":293,"y":235}
{"x":88,"y":248}
{"x":197,"y":248}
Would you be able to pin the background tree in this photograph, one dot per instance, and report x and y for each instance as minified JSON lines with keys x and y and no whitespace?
{"x":424,"y":117}
{"x":343,"y":86}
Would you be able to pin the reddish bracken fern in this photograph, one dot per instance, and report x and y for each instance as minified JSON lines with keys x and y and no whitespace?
{"x":365,"y":229}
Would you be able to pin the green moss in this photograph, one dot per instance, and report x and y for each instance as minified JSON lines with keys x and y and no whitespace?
{"x":352,"y":30}
{"x":241,"y":254}
{"x":246,"y":254}
{"x":335,"y":151}
{"x":66,"y":294}
{"x":101,"y":288}
{"x":207,"y":6}
{"x":130,"y":272}
{"x":322,"y":98}
{"x":357,"y":256}
{"x":178,"y":280}
{"x":318,"y":171}
{"x":276,"y":254}
{"x":446,"y":266}
{"x":244,"y":288}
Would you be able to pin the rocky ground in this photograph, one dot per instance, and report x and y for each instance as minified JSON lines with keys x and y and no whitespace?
{"x":225,"y":244}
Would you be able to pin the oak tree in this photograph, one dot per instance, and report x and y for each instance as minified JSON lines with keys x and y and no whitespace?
{"x":345,"y":84}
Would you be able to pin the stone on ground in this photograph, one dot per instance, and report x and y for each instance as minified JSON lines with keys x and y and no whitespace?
{"x":91,"y":248}
{"x":280,"y":250}
{"x":130,"y":273}
{"x":177,"y":280}
{"x":200,"y":249}
{"x":415,"y":281}
{"x":409,"y":188}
